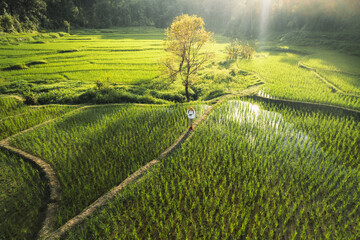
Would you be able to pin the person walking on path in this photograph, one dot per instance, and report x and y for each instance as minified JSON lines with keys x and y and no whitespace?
{"x":191,"y":116}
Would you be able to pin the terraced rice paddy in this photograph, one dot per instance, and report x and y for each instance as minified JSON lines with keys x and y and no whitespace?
{"x":253,"y":169}
{"x":60,"y":69}
{"x":246,"y":173}
{"x":286,"y":80}
{"x":16,"y":116}
{"x":96,"y":149}
{"x":22,"y":198}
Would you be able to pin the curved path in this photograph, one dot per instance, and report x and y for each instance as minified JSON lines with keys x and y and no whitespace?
{"x":54,"y":183}
{"x":133,"y":178}
{"x":139,"y":174}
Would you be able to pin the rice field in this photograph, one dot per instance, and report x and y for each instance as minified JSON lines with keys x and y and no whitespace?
{"x":254,"y":169}
{"x":16,"y":116}
{"x":284,"y":78}
{"x":96,"y":149}
{"x":77,"y":58}
{"x":23,"y":198}
{"x":248,"y":173}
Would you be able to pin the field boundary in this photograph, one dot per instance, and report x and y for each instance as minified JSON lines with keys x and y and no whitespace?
{"x":6,"y":140}
{"x":54,"y":186}
{"x":325,"y":81}
{"x":49,"y":222}
{"x":47,"y":231}
{"x":353,"y":111}
{"x":133,"y":178}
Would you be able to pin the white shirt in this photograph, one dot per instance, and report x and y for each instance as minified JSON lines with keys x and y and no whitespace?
{"x":191,"y":114}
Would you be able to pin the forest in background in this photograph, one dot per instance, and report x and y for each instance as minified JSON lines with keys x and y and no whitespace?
{"x":230,"y":17}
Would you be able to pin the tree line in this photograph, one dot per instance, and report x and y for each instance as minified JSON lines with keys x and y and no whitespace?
{"x":232,"y":17}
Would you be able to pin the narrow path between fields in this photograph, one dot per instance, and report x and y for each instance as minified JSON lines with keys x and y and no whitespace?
{"x":324,"y":80}
{"x":53,"y":181}
{"x":133,"y":178}
{"x":137,"y":176}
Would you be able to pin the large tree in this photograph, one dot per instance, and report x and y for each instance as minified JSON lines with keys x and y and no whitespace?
{"x":186,"y":39}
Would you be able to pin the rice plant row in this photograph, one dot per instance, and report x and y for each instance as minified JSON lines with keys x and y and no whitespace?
{"x":337,"y":132}
{"x":246,"y":174}
{"x":10,"y":106}
{"x":22,"y":198}
{"x":285,"y":80}
{"x":30,"y":117}
{"x":97,"y":149}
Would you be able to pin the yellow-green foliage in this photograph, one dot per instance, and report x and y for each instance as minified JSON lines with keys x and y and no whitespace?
{"x":236,"y":49}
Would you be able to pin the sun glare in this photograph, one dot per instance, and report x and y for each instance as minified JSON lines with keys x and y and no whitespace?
{"x":265,"y":17}
{"x":255,"y":109}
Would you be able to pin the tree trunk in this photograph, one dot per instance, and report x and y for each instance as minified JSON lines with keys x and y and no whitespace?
{"x":187,"y":92}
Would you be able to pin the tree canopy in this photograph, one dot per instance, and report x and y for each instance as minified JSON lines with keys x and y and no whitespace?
{"x":185,"y":43}
{"x":233,"y":17}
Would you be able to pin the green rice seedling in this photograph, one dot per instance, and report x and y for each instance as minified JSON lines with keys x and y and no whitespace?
{"x":338,"y":133}
{"x":29,"y":117}
{"x":22,"y":198}
{"x":285,"y":80}
{"x":333,"y":61}
{"x":345,"y":82}
{"x":98,"y":148}
{"x":246,"y":162}
{"x":10,"y":106}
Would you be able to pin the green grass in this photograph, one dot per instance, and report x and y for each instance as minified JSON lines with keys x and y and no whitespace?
{"x":22,"y":198}
{"x":96,"y":149}
{"x":246,"y":173}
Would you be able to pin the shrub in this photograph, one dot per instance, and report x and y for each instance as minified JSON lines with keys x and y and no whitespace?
{"x":168,"y":96}
{"x":17,"y":25}
{"x":236,"y":49}
{"x":7,"y":23}
{"x":67,"y":26}
{"x":199,"y":89}
{"x":29,"y":26}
